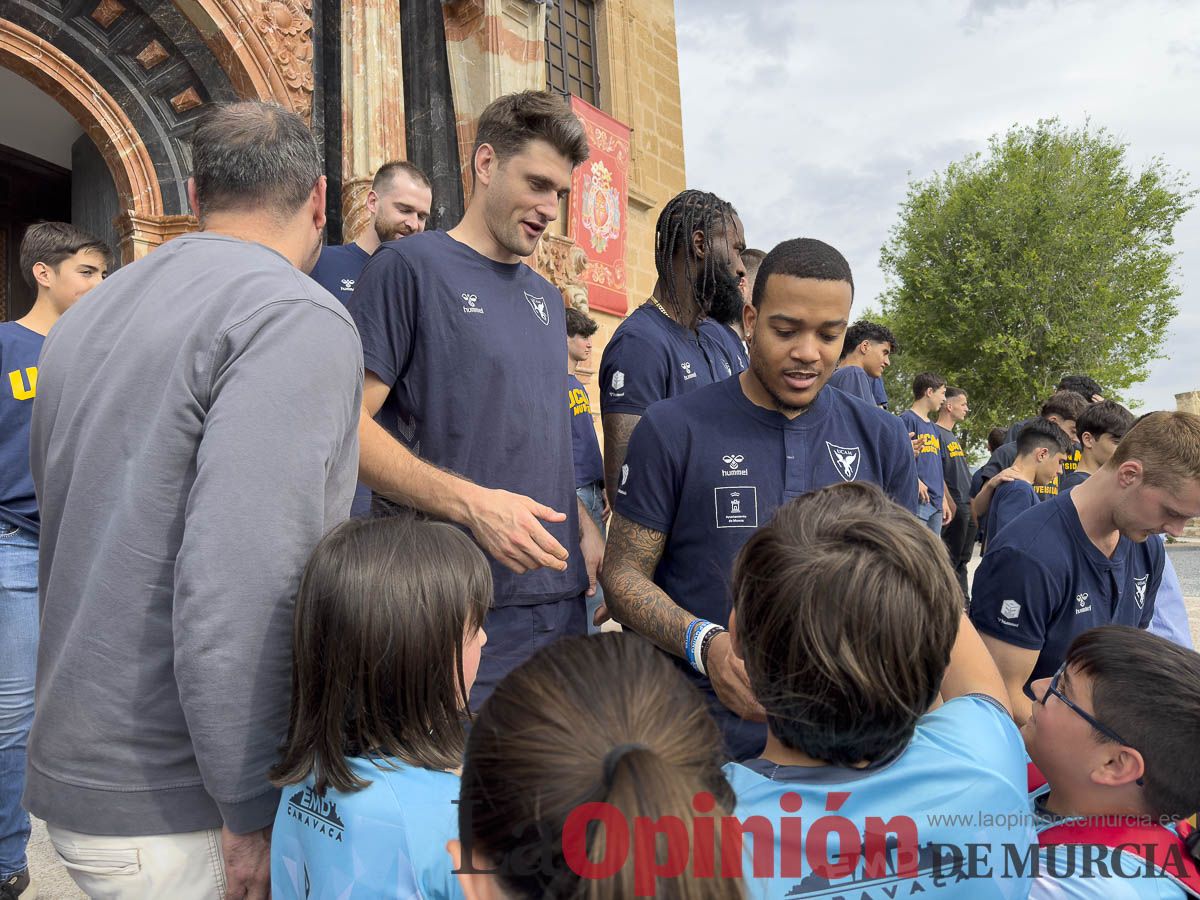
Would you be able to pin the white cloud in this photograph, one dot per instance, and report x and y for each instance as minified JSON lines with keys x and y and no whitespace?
{"x":811,"y":117}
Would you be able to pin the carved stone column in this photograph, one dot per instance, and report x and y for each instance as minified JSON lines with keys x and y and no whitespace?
{"x":494,"y":47}
{"x":372,"y":102}
{"x":141,"y":234}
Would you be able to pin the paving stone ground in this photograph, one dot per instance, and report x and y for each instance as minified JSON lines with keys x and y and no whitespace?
{"x":54,"y":883}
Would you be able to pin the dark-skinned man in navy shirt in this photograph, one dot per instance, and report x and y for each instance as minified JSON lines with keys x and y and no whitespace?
{"x":675,"y":343}
{"x":465,"y":351}
{"x":1082,"y":559}
{"x":704,"y":470}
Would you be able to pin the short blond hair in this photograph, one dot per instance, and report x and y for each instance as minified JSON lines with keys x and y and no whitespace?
{"x":1167,"y":444}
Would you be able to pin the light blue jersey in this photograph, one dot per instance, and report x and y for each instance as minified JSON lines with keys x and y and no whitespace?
{"x":1065,"y":875}
{"x":385,"y":841}
{"x":955,"y":797}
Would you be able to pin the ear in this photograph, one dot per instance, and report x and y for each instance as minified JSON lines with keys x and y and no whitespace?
{"x":1124,"y":766}
{"x":475,"y":884}
{"x":1130,"y":473}
{"x":699,"y":244}
{"x":749,"y":317}
{"x":1041,"y":454}
{"x":864,"y":347}
{"x":372,"y":201}
{"x":41,"y":274}
{"x":485,"y":163}
{"x":317,"y":201}
{"x":193,"y":202}
{"x":1087,"y":440}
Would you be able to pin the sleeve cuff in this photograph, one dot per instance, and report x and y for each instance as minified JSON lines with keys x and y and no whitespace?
{"x":250,"y":815}
{"x":1007,"y":637}
{"x":382,"y":369}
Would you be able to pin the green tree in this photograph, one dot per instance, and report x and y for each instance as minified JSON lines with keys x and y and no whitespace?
{"x":1044,"y":257}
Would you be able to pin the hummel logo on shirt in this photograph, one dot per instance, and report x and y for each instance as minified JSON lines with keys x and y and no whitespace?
{"x":472,"y":302}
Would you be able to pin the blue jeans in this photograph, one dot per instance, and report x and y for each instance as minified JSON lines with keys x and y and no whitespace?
{"x":592,"y":496}
{"x":932,"y":517}
{"x":18,"y":662}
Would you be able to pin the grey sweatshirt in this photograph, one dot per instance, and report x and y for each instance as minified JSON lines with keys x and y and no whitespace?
{"x":194,"y":435}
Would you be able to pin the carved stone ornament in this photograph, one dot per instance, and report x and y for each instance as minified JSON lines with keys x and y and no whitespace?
{"x":107,"y":12}
{"x":562,"y":262}
{"x":286,"y":27}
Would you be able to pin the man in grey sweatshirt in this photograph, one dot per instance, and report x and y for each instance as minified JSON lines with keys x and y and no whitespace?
{"x":194,"y":435}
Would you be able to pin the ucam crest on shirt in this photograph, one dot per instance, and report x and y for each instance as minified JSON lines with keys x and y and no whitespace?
{"x":1139,"y":590}
{"x":845,"y":460}
{"x":538,"y":305}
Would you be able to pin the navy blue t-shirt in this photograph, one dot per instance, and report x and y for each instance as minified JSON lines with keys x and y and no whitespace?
{"x":880,"y":392}
{"x":955,"y":471}
{"x":710,"y":467}
{"x":19,"y":349}
{"x":651,"y":357}
{"x":1044,"y":583}
{"x":853,"y":380}
{"x":1074,"y":478}
{"x":338,"y":269}
{"x":929,"y":453}
{"x":1003,"y":457}
{"x":1008,"y":502}
{"x":729,"y":342}
{"x":589,"y":466}
{"x":476,"y":353}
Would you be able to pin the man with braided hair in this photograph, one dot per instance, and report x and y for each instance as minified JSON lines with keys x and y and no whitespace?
{"x":674,"y":342}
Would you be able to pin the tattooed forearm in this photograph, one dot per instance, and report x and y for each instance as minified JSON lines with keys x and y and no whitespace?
{"x":617,"y":429}
{"x":633,"y":598}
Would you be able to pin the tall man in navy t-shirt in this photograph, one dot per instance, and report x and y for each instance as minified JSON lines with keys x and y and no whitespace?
{"x":704,"y":470}
{"x":675,"y":342}
{"x":465,"y":351}
{"x":398,"y":203}
{"x":1082,"y":559}
{"x":929,"y":393}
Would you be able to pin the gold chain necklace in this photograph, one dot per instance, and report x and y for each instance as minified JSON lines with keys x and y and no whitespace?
{"x":659,"y":306}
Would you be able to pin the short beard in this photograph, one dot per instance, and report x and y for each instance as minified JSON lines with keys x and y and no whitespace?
{"x":759,"y":370}
{"x":725,"y":302}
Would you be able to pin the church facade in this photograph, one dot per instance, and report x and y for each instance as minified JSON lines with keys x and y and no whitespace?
{"x":98,"y":97}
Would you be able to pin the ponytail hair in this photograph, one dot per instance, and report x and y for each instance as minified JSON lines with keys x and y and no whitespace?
{"x":604,"y":720}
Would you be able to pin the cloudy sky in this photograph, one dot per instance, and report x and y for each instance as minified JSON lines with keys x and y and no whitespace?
{"x":811,"y":116}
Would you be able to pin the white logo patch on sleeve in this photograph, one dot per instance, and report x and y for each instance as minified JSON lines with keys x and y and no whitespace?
{"x":618,"y":380}
{"x":1010,"y":609}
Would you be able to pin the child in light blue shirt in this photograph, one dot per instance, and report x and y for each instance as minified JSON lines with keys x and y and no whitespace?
{"x":387,"y":640}
{"x":849,"y":620}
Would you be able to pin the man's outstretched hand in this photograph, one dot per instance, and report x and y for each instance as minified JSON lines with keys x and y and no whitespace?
{"x":509,"y":527}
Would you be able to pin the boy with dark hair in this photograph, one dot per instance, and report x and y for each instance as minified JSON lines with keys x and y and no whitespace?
{"x":959,"y":534}
{"x":1099,"y":428}
{"x":704,"y":470}
{"x":589,"y":466}
{"x":1063,"y":408}
{"x":675,"y":343}
{"x":929,"y":393}
{"x":1113,"y":735}
{"x":902,"y":722}
{"x":866,"y":352}
{"x":61,"y":263}
{"x":1082,"y":559}
{"x":477,"y":444}
{"x":995,"y":439}
{"x":1041,"y":448}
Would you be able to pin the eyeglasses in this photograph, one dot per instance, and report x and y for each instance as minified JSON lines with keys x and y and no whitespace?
{"x":1052,"y":688}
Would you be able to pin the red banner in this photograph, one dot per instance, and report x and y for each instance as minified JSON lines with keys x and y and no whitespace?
{"x":600,"y":208}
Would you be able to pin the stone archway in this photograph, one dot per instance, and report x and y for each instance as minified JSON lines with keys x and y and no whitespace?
{"x":58,"y":75}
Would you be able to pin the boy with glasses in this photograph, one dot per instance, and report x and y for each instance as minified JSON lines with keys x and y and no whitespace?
{"x":1112,"y":783}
